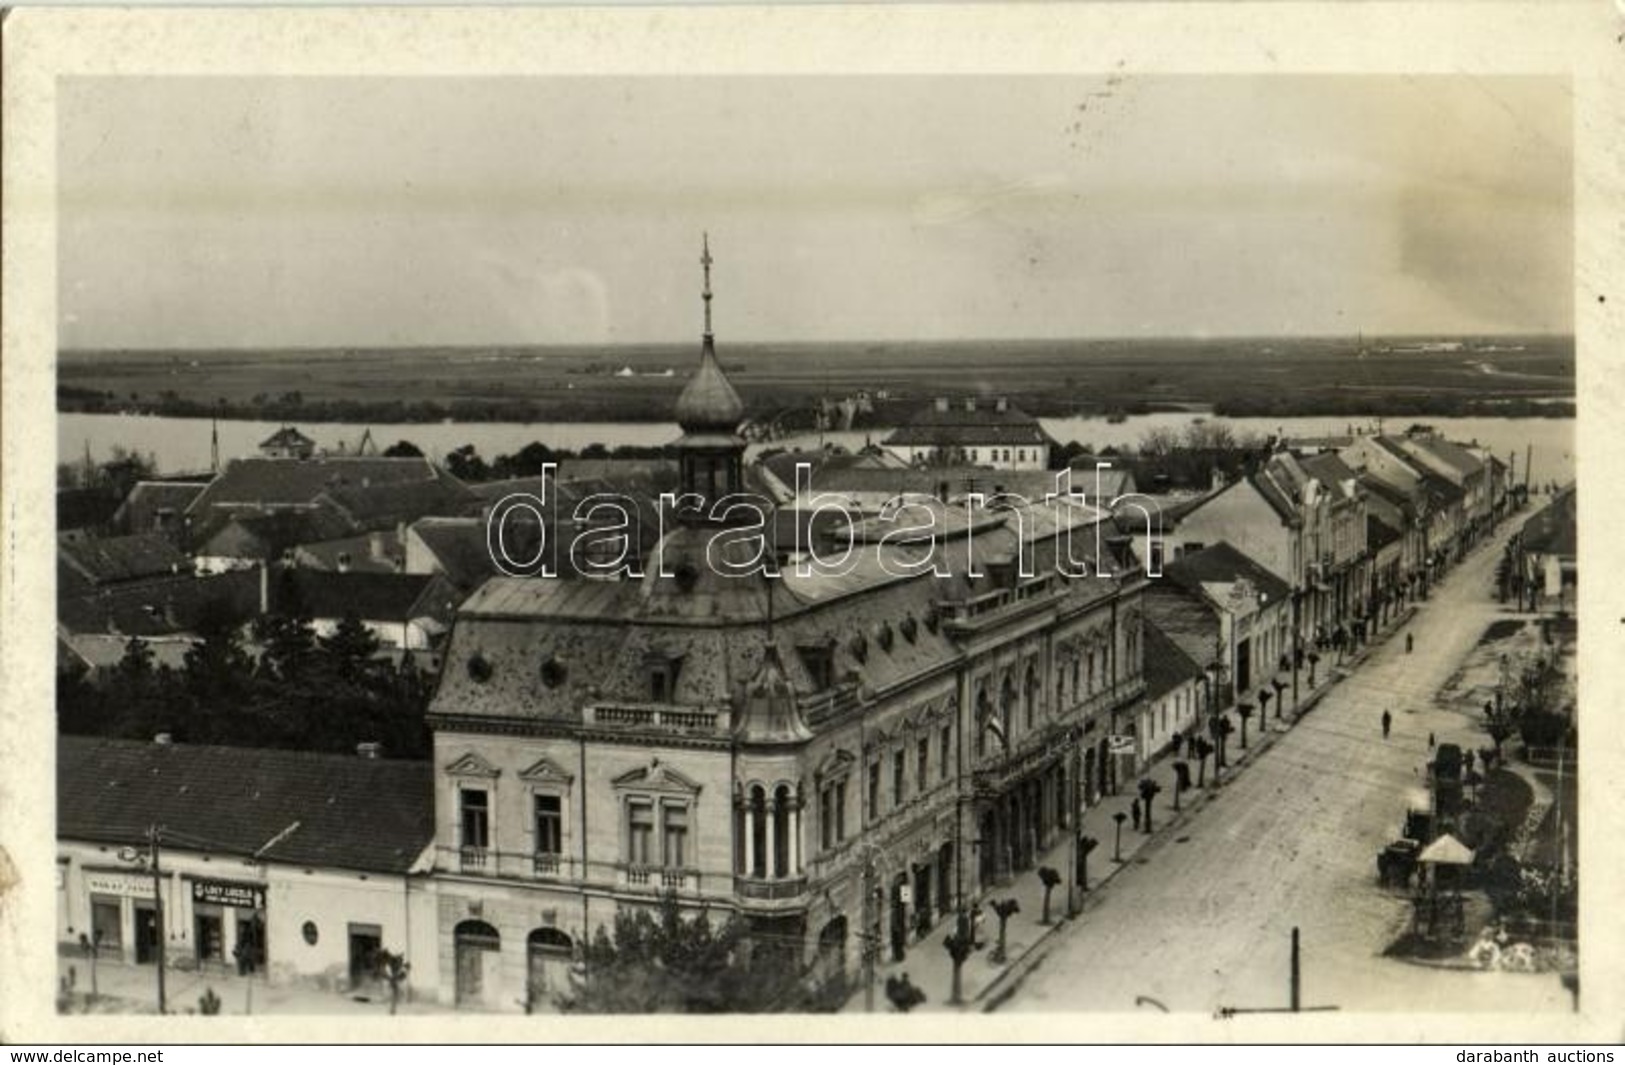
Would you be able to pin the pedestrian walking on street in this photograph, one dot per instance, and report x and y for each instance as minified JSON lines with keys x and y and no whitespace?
{"x":1387,"y":723}
{"x":1430,"y":741}
{"x":1410,"y":641}
{"x":1135,"y":813}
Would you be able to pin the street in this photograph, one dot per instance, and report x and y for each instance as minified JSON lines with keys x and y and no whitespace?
{"x":1202,"y":920}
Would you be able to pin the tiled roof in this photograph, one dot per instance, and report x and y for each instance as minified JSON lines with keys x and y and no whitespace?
{"x":139,"y":511}
{"x":1223,"y":564}
{"x":954,"y":481}
{"x":1379,"y":534}
{"x":385,"y":506}
{"x":1274,"y":495}
{"x":602,"y":632}
{"x":1554,"y":530}
{"x":84,"y":508}
{"x":287,"y":436}
{"x":1166,"y":666}
{"x":1165,"y":512}
{"x":375,"y":552}
{"x":459,"y":547}
{"x":1450,"y":453}
{"x":1440,"y":490}
{"x":1395,"y":496}
{"x":111,"y":559}
{"x":264,"y":483}
{"x":159,"y":607}
{"x":270,"y":534}
{"x":983,"y":425}
{"x":1328,"y":469}
{"x":373,"y":815}
{"x":370,"y":596}
{"x":101,"y":651}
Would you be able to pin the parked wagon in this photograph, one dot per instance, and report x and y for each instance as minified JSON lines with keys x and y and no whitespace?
{"x":1396,"y":863}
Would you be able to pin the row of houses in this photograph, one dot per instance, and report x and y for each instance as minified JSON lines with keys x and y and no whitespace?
{"x":843,"y":756}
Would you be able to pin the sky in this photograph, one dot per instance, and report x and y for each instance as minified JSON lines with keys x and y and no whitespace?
{"x":280,"y":212}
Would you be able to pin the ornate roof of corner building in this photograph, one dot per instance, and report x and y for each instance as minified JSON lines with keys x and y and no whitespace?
{"x":549,"y":648}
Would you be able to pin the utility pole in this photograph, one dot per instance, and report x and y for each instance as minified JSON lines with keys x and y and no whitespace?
{"x":871,"y":932}
{"x":1297,"y":974}
{"x":154,"y":835}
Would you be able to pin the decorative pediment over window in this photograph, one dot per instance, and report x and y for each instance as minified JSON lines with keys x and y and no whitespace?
{"x":657,"y":776}
{"x":473,"y":765}
{"x":546,"y":771}
{"x":835,"y":765}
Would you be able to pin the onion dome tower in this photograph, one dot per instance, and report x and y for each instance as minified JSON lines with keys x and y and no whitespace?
{"x":710,"y":453}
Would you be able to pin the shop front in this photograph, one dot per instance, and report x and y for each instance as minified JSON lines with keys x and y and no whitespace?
{"x":228,"y":924}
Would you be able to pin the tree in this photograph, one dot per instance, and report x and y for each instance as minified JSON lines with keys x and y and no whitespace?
{"x":403,"y":449}
{"x":465,"y":464}
{"x":349,"y":651}
{"x":1201,"y":748}
{"x":662,"y":962}
{"x":1182,"y":781}
{"x":1003,"y":909}
{"x":1149,"y":790}
{"x":1049,"y":878}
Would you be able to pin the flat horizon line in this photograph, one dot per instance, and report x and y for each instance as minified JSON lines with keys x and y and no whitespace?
{"x":722,"y":343}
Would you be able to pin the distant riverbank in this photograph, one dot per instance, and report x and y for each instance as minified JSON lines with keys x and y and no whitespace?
{"x":182,"y":445}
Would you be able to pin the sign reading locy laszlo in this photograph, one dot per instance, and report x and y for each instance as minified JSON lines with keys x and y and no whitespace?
{"x":222,"y":893}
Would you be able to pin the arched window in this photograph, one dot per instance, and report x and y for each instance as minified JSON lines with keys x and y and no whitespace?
{"x":782,"y":802}
{"x":1031,"y":694}
{"x":758,"y":806}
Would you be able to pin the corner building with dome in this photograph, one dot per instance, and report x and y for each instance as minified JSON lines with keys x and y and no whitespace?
{"x":844,"y":761}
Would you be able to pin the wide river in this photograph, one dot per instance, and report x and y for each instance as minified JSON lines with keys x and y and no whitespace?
{"x":182,"y":444}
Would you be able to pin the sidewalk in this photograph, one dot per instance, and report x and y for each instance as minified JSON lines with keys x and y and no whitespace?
{"x":983,"y":982}
{"x":126,"y":989}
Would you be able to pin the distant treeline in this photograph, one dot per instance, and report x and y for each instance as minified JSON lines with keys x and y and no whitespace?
{"x":789,"y":409}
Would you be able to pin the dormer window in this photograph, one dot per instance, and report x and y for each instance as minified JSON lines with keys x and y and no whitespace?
{"x":662,"y":670}
{"x":819,"y":659}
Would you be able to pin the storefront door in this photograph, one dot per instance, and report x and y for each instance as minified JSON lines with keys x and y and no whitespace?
{"x":210,"y":937}
{"x":146,"y":935}
{"x":366,"y":940}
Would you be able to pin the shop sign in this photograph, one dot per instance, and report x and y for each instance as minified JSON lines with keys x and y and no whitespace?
{"x":222,"y":893}
{"x":118,"y":884}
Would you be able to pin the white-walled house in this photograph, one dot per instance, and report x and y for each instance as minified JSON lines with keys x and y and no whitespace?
{"x":300,"y":866}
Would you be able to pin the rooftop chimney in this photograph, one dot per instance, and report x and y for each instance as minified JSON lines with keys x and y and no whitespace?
{"x":942,"y":403}
{"x":163,"y":739}
{"x":369,"y":750}
{"x":1001,"y":404}
{"x":970,"y":403}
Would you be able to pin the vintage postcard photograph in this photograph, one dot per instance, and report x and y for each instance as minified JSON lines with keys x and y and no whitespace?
{"x":990,"y":544}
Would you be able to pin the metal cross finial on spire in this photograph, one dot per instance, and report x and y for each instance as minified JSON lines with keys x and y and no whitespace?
{"x":705,"y":261}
